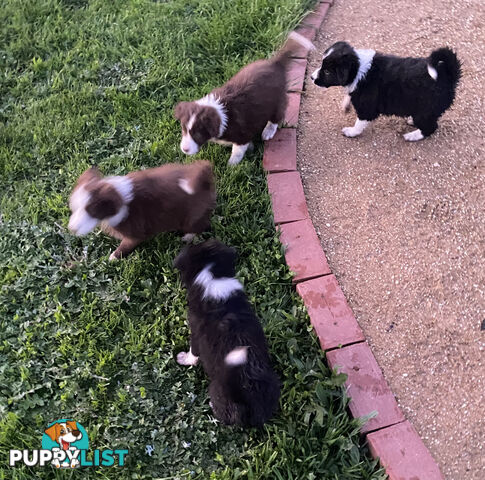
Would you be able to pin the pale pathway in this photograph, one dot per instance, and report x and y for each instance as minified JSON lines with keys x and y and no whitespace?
{"x":403,"y":225}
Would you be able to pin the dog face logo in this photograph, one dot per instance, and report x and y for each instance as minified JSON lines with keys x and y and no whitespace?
{"x":66,"y":436}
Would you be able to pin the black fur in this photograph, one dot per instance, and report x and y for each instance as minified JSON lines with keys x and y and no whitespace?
{"x":394,"y":85}
{"x":247,"y":394}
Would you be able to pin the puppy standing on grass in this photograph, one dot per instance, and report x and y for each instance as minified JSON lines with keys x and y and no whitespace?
{"x":251,"y":103}
{"x":227,"y":337}
{"x":420,"y":88}
{"x":137,"y":206}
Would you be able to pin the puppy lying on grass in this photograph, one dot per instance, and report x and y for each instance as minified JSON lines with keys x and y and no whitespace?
{"x":137,"y":206}
{"x":227,"y":337}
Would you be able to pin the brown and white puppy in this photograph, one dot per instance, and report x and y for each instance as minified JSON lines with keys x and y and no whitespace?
{"x":137,"y":206}
{"x":251,"y":103}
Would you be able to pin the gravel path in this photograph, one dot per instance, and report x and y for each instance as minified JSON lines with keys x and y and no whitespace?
{"x":403,"y":225}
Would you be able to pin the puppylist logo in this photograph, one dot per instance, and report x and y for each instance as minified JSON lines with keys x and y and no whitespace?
{"x":65,"y":444}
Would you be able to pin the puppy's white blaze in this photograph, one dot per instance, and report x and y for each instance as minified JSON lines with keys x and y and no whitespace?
{"x":123,"y":185}
{"x":365,"y":62}
{"x":118,"y":218}
{"x":328,"y":53}
{"x":79,"y":198}
{"x":81,"y":223}
{"x":432,"y":72}
{"x":315,"y":74}
{"x":238,"y":356}
{"x":212,"y":101}
{"x":269,"y":131}
{"x":304,"y":42}
{"x":414,"y":136}
{"x":191,"y":122}
{"x":185,"y":186}
{"x":216,"y":288}
{"x":237,"y":153}
{"x":188,"y":146}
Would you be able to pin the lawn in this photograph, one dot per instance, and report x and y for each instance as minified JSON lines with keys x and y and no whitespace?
{"x":95,"y":83}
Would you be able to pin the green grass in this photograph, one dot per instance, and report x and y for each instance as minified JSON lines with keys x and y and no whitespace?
{"x":95,"y":82}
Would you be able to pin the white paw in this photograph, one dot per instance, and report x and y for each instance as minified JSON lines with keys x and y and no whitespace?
{"x":56,"y":463}
{"x":235,"y":159}
{"x":188,"y":237}
{"x":410,"y":121}
{"x":351,"y":131}
{"x":345,"y":105}
{"x":74,"y":463}
{"x":113,"y":257}
{"x":413,"y":136}
{"x":187,"y":358}
{"x":269,"y":131}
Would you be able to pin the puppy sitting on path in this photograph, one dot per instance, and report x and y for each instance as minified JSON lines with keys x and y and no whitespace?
{"x":137,"y":206}
{"x":251,"y":103}
{"x":227,"y":337}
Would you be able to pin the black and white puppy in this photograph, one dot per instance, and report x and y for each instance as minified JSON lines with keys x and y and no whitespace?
{"x":227,"y":337}
{"x":420,"y":88}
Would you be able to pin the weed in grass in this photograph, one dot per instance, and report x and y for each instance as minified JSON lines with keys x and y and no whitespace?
{"x":95,"y":82}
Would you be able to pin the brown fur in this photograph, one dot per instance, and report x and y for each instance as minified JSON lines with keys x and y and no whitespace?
{"x":159,"y":204}
{"x":254,"y":96}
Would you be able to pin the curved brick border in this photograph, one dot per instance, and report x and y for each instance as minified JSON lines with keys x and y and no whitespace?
{"x":390,"y":437}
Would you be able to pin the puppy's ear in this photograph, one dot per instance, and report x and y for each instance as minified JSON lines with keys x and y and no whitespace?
{"x":211,"y":121}
{"x":180,"y":110}
{"x":72,"y":424}
{"x":53,"y":432}
{"x":89,"y":175}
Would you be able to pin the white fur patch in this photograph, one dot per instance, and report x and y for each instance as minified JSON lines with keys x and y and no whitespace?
{"x":345,"y":105}
{"x":81,"y":223}
{"x":216,"y":288}
{"x":269,"y":131}
{"x":187,"y":144}
{"x":236,"y":357}
{"x":123,"y":185}
{"x":432,"y":72}
{"x":413,"y":136}
{"x":357,"y":129}
{"x":221,"y":142}
{"x":328,"y":53}
{"x":79,"y":198}
{"x":118,"y":218}
{"x":304,"y":42}
{"x":365,"y":62}
{"x":212,"y":101}
{"x":315,"y":74}
{"x":237,"y":153}
{"x":410,"y":121}
{"x":188,"y":237}
{"x":185,"y":186}
{"x":187,"y":358}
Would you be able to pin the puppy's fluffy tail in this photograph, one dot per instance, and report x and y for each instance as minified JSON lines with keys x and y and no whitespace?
{"x":288,"y":50}
{"x":198,"y":177}
{"x":444,"y":64}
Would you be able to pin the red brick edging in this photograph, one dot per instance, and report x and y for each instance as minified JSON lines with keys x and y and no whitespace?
{"x":390,"y":437}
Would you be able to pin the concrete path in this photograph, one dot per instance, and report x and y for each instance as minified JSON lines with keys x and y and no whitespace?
{"x":403,"y":225}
